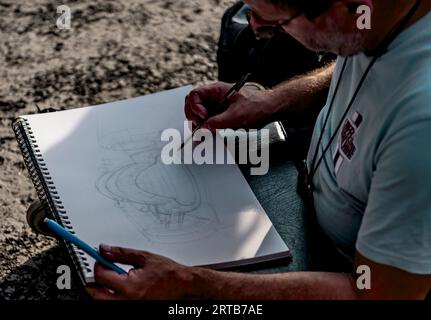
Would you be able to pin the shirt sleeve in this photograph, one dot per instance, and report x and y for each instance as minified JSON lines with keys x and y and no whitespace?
{"x":396,"y":227}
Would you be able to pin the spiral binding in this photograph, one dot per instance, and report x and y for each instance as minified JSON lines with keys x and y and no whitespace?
{"x":44,"y":185}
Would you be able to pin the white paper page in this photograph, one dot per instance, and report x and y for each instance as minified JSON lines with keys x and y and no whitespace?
{"x":106,"y":166}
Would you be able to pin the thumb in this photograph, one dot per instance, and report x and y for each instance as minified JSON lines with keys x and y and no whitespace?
{"x":122,"y":255}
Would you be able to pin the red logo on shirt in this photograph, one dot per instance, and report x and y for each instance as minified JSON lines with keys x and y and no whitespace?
{"x":346,"y":146}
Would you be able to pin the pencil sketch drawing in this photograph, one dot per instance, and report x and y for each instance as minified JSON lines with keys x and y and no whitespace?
{"x":165,"y":202}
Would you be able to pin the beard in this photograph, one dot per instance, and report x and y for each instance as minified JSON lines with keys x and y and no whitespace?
{"x":333,"y":40}
{"x":340,"y":44}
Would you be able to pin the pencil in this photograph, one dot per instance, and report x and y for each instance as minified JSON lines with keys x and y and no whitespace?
{"x":66,"y":235}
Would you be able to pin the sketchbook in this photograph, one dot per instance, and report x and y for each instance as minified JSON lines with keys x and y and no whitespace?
{"x":99,"y":171}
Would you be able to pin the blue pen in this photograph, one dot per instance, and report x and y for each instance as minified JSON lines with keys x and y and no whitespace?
{"x":59,"y":230}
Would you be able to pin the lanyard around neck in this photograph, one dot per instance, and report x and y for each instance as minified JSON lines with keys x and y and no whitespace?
{"x":381,"y":50}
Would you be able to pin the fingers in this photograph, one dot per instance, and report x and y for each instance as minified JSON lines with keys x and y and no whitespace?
{"x":109,"y":278}
{"x":157,"y":279}
{"x":200,"y":100}
{"x":122,"y":255}
{"x":102,"y":294}
{"x":194,"y":109}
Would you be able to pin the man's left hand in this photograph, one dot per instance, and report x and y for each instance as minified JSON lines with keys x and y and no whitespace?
{"x":153,"y":277}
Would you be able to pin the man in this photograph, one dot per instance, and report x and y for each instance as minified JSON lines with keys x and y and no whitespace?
{"x":369,"y":159}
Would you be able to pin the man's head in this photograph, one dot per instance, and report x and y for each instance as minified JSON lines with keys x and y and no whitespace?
{"x":326,"y":25}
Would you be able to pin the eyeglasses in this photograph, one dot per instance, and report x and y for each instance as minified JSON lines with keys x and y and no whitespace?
{"x":269,"y":30}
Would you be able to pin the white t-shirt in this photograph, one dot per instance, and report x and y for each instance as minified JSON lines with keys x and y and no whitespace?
{"x":373,"y":188}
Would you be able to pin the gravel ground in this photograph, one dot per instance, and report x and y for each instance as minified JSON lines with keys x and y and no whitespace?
{"x":115,"y":50}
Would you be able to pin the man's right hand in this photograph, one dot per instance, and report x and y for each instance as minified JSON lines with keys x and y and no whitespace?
{"x":247,"y":108}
